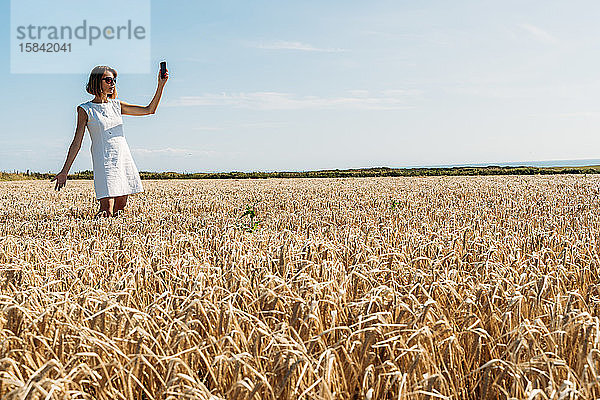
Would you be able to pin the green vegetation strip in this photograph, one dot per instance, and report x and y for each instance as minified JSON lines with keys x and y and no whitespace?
{"x":335,"y":173}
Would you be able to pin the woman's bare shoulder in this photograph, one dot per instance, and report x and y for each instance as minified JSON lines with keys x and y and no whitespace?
{"x":82,"y":111}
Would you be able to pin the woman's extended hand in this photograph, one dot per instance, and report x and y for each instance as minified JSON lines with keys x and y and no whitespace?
{"x":61,"y":180}
{"x":162,"y":81}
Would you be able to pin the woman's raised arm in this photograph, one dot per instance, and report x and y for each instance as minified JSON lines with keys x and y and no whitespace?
{"x":132,"y":109}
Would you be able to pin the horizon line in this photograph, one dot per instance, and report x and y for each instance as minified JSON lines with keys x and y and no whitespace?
{"x":530,"y":163}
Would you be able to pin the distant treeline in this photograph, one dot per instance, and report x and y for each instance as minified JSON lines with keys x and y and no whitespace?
{"x":335,"y":173}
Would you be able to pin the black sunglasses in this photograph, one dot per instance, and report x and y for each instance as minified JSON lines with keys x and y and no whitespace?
{"x":110,"y":80}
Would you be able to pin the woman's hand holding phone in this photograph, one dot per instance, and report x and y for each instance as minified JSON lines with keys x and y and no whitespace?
{"x":163,"y":73}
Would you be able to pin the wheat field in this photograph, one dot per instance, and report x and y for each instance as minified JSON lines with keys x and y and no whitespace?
{"x":359,"y":288}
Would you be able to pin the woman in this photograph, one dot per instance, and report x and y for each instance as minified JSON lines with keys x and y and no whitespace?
{"x":115,"y":173}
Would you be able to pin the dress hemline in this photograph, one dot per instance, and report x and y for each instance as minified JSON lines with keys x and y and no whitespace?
{"x":118,"y":195}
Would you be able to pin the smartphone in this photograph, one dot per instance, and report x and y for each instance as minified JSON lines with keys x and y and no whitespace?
{"x":163,"y":69}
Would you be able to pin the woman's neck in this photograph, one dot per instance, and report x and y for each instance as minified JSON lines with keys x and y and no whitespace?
{"x":100,"y":99}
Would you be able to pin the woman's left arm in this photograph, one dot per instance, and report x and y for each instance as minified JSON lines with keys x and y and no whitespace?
{"x":132,"y":109}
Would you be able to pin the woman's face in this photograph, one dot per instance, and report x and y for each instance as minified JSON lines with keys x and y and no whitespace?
{"x":109,"y":89}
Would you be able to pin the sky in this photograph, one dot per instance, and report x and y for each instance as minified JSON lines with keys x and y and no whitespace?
{"x":309,"y":85}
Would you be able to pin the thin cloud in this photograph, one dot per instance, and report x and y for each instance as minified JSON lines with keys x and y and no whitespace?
{"x":174,"y":152}
{"x":229,"y":125}
{"x":576,"y":114}
{"x":579,"y":114}
{"x":206,"y":128}
{"x":539,"y":34}
{"x":285,"y":45}
{"x":502,"y":90}
{"x":384,"y":100}
{"x":433,"y":36}
{"x":267,"y":124}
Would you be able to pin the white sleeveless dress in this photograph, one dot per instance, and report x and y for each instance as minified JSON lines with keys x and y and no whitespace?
{"x":115,"y":173}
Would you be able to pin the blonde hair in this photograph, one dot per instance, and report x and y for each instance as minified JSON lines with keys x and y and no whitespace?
{"x":94,"y":85}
